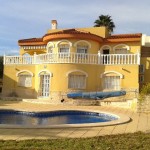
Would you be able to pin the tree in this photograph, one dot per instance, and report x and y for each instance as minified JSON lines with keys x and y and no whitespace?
{"x":105,"y":20}
{"x":1,"y":66}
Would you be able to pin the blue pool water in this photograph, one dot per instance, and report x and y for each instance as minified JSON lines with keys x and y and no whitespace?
{"x":53,"y":118}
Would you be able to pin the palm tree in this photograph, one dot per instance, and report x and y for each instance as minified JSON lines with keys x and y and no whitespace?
{"x":105,"y":20}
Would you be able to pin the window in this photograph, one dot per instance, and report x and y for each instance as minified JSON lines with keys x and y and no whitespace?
{"x":27,"y":59}
{"x":25,"y":80}
{"x":111,"y":83}
{"x":50,"y":50}
{"x":64,"y":50}
{"x":77,"y":81}
{"x":141,"y":78}
{"x":141,"y":69}
{"x":82,"y":49}
{"x":121,"y":51}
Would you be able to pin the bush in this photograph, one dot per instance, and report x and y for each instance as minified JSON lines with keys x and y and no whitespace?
{"x":145,"y":90}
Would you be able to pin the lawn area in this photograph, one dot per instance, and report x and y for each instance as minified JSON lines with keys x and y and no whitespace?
{"x":132,"y":141}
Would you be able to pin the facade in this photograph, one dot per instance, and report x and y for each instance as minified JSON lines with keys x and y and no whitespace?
{"x":81,"y":59}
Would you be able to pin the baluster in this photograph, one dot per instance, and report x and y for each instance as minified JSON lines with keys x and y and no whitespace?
{"x":110,"y":59}
{"x":113,"y":59}
{"x":134,"y":57}
{"x":125,"y":59}
{"x":131,"y":59}
{"x":118,"y":59}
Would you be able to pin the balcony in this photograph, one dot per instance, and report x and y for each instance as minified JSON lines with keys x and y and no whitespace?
{"x":74,"y":58}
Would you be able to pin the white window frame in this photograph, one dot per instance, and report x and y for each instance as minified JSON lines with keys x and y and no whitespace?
{"x":76,"y":81}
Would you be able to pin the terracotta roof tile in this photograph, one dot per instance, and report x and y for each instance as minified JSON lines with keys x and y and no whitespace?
{"x":118,"y":36}
{"x":69,"y":31}
{"x":31,"y":40}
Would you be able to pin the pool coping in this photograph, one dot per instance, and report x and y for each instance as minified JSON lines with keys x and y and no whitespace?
{"x":122,"y":119}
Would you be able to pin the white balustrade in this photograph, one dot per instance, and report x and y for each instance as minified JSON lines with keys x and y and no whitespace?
{"x":76,"y":58}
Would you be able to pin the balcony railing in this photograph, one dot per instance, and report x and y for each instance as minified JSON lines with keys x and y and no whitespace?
{"x":75,"y":58}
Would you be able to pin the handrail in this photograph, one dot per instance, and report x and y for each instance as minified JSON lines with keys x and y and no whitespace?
{"x":75,"y":58}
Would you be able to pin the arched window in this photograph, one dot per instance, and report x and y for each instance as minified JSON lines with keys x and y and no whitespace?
{"x":121,"y":49}
{"x":27,"y":59}
{"x":82,"y":47}
{"x":64,"y":48}
{"x":111,"y":80}
{"x":50,"y":47}
{"x":77,"y":80}
{"x":25,"y":78}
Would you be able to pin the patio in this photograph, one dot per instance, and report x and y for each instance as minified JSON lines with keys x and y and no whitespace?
{"x":139,"y":122}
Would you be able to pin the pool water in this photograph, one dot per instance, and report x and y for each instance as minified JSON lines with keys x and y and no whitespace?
{"x":53,"y":118}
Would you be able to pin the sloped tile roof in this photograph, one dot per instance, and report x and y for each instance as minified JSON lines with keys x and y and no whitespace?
{"x":125,"y":36}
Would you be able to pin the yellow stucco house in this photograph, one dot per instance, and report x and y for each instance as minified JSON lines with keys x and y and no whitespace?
{"x":80,"y":59}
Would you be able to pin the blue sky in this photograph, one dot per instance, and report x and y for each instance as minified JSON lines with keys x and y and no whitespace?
{"x":21,"y":19}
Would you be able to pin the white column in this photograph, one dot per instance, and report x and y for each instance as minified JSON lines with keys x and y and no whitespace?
{"x":35,"y":61}
{"x":138,"y":58}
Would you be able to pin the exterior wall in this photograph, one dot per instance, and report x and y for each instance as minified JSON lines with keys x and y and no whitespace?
{"x":100,"y":31}
{"x":59,"y":79}
{"x":128,"y":71}
{"x":10,"y":86}
{"x":91,"y":50}
{"x":134,"y":47}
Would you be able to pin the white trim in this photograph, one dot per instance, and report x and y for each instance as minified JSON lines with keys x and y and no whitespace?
{"x":25,"y":54}
{"x":102,"y":48}
{"x":128,"y":48}
{"x":57,"y":44}
{"x":107,"y":72}
{"x":89,"y":44}
{"x":47,"y":71}
{"x":50,"y":44}
{"x":17,"y":74}
{"x":67,"y":74}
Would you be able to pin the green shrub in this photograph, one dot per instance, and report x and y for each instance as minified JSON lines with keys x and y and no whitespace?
{"x":145,"y":90}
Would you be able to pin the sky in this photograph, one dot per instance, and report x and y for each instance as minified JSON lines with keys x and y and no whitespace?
{"x":21,"y":19}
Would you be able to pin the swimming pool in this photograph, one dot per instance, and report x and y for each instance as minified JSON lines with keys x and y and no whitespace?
{"x":61,"y":118}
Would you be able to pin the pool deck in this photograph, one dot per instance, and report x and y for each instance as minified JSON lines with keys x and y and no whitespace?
{"x":139,"y":122}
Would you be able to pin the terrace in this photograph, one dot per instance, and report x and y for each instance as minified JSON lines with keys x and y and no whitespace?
{"x":74,"y":58}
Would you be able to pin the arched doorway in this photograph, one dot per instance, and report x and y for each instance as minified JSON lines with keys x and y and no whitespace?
{"x":44,"y":84}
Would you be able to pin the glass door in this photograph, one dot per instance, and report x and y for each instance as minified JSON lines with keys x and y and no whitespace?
{"x":44,"y":85}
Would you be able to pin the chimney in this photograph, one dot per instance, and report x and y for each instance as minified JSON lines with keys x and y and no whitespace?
{"x":54,"y":24}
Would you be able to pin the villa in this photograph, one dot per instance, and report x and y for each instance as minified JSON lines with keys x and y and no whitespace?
{"x":80,"y":59}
